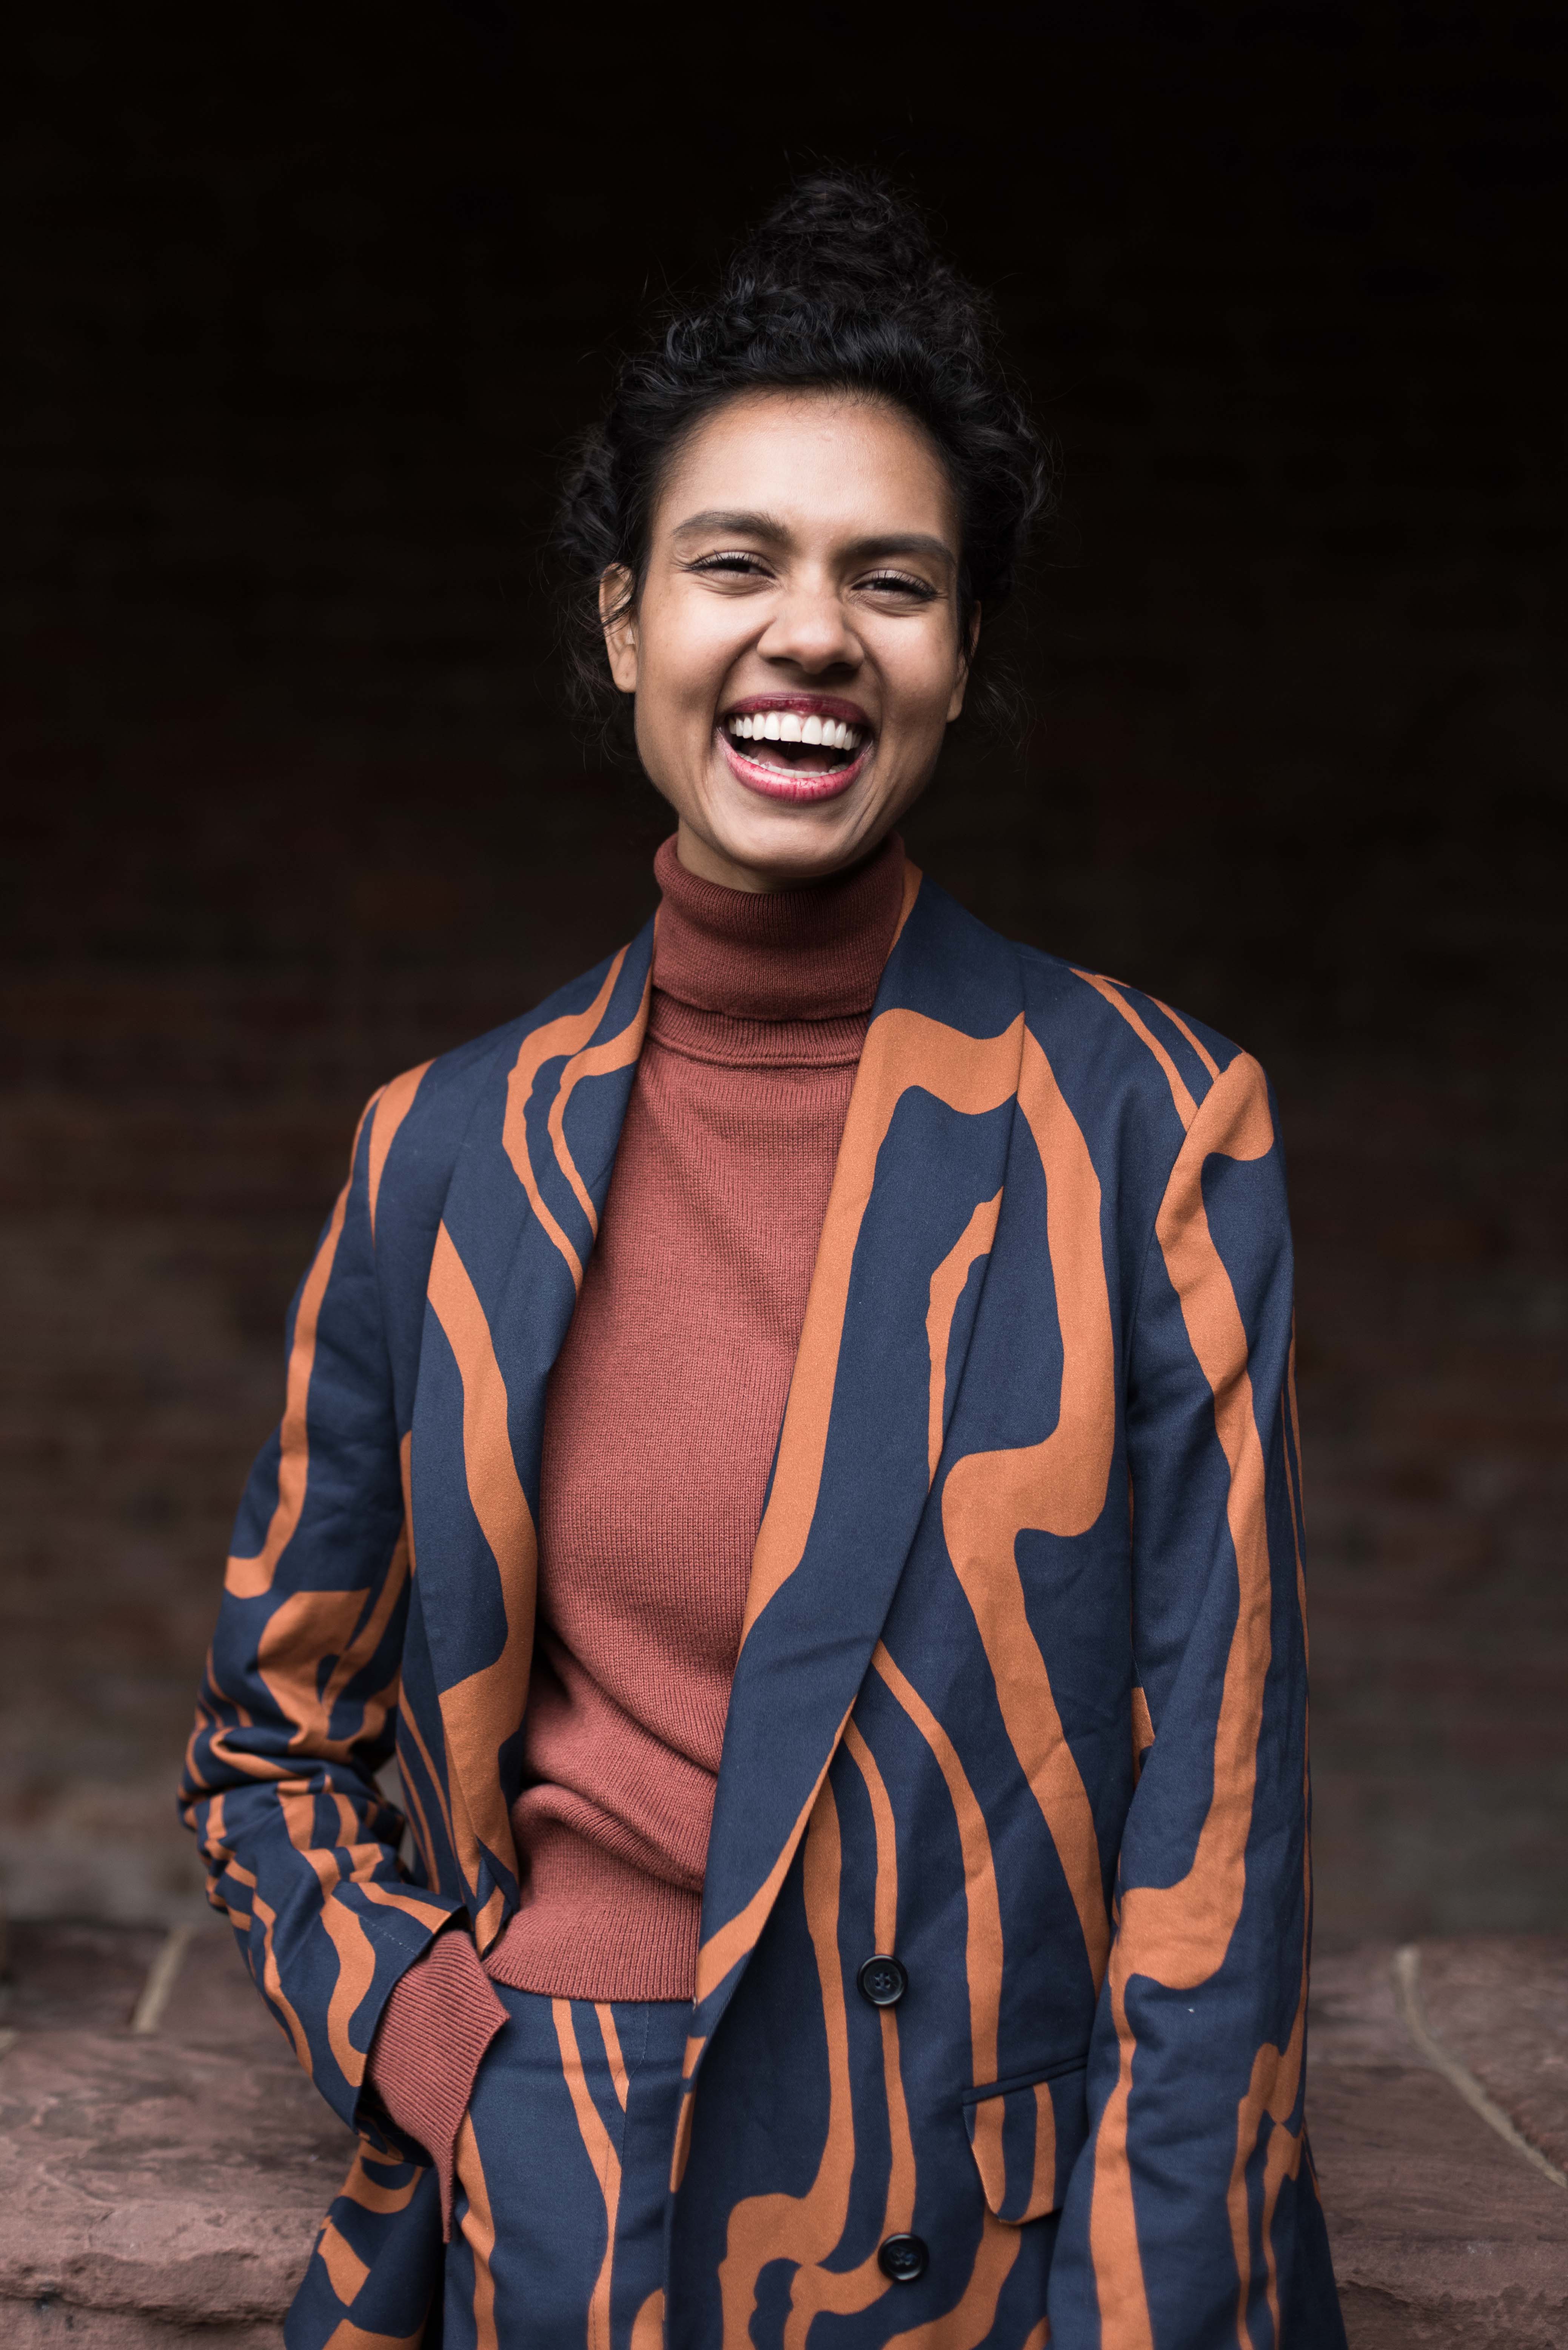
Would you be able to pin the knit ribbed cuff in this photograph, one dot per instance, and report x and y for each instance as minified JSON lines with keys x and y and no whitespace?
{"x":435,"y":2030}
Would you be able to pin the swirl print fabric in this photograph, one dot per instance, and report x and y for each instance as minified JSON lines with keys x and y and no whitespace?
{"x":1021,"y":1699}
{"x":564,"y":2179}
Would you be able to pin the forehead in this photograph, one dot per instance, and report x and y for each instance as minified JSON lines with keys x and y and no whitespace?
{"x":824,"y":463}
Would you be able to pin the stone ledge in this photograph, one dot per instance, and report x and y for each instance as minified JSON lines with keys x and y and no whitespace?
{"x":155,"y":2189}
{"x":50,"y":2320}
{"x":1445,"y":2237}
{"x":163,"y":2189}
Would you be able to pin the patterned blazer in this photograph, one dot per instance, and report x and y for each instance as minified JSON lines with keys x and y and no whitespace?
{"x":1021,"y":1699}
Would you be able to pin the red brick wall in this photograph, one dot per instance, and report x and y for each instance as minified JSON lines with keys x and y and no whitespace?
{"x":290,"y":802}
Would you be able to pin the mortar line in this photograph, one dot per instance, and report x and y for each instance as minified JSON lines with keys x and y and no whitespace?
{"x":160,"y":1975}
{"x":1413,"y":2015}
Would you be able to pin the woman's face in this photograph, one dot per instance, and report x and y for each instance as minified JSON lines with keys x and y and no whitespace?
{"x":794,"y":651}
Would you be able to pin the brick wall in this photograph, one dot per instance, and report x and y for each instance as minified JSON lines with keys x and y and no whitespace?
{"x":303,"y":316}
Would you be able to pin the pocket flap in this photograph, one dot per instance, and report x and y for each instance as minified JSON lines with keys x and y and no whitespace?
{"x":1026,"y":2137}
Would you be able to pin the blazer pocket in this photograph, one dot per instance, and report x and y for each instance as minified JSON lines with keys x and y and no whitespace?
{"x":1025,"y":2136}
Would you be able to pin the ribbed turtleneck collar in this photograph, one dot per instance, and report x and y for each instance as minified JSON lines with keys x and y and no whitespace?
{"x":815,"y":953}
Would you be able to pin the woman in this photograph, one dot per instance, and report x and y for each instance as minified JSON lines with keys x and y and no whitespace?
{"x":792,"y":1442}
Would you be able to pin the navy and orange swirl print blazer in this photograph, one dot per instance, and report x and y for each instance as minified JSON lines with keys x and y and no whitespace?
{"x":1021,"y":1697}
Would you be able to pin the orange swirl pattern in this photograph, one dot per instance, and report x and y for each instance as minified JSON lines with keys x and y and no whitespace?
{"x":499,"y":1689}
{"x":251,"y":1578}
{"x":1178,"y":1935}
{"x":903,"y":1050}
{"x":1057,"y":1212}
{"x":569,"y":1038}
{"x":1058,"y":1485}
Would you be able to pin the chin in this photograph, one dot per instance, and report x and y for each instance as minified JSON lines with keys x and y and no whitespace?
{"x":802,"y":839}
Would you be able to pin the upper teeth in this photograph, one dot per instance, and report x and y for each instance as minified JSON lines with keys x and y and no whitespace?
{"x":789,"y":726}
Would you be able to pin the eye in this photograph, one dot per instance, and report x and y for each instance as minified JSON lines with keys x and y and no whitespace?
{"x":732,"y":563}
{"x":902,"y":584}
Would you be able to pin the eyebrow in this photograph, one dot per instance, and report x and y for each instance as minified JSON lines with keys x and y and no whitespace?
{"x":768,"y":528}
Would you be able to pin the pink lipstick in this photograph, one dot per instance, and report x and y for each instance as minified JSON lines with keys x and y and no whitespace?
{"x":824,"y":744}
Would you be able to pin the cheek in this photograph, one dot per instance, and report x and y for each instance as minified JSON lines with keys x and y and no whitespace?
{"x":688,"y":649}
{"x":919,"y":679}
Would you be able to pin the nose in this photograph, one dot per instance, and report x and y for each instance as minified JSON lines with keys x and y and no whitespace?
{"x":809,"y":631}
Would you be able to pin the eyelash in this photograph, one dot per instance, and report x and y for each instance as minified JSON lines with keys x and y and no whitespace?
{"x":920,"y":590}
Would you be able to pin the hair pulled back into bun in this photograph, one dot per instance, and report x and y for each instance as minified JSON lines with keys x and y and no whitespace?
{"x":840,"y":287}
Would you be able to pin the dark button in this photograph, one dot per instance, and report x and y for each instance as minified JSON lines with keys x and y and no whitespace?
{"x":903,"y":2258}
{"x":884,"y":1984}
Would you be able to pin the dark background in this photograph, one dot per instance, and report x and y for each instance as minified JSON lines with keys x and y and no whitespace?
{"x":301,"y":309}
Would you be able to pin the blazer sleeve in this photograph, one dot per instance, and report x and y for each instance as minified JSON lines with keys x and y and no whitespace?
{"x":297,"y":1708}
{"x":1192,"y":2220}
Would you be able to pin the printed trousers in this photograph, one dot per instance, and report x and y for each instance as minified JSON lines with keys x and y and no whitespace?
{"x":563,"y":2178}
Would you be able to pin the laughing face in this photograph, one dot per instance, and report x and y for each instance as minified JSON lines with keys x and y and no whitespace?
{"x":795,"y":649}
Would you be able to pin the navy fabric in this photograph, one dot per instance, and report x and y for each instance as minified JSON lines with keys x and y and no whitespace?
{"x":563,"y":2178}
{"x":1021,"y":1697}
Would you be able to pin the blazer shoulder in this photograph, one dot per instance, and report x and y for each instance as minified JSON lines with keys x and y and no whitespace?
{"x":415,"y":1126}
{"x":1149,"y":1052}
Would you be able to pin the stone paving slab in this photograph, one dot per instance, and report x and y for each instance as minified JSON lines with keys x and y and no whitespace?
{"x":163,"y":2189}
{"x":1501,"y":2005}
{"x":155,"y":2189}
{"x":1445,"y":2237}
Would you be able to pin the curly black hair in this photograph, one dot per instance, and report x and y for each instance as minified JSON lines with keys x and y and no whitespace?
{"x":842,"y":287}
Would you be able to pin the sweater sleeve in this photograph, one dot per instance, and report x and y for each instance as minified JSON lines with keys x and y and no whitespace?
{"x":1192,"y":2212}
{"x":429,"y":2047}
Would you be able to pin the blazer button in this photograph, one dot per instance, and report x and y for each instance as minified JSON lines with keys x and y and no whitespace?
{"x":884,"y":1983}
{"x":903,"y":2258}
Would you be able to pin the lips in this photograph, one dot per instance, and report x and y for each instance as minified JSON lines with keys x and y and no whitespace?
{"x":797,"y":785}
{"x":804,"y":705}
{"x":816,"y":743}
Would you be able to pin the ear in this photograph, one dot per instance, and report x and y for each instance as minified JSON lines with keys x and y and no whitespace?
{"x":618,"y":617}
{"x":966,"y":662}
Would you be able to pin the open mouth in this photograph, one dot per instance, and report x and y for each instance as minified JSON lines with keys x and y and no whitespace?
{"x":795,"y":747}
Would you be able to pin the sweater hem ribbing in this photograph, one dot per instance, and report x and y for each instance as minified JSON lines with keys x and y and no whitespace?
{"x":594,"y":1924}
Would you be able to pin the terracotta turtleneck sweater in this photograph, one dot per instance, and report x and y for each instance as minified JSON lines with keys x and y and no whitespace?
{"x":661,"y":1416}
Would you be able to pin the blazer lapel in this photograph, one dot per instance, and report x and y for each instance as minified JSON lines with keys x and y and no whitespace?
{"x":517,"y":1226}
{"x":915,"y":1200}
